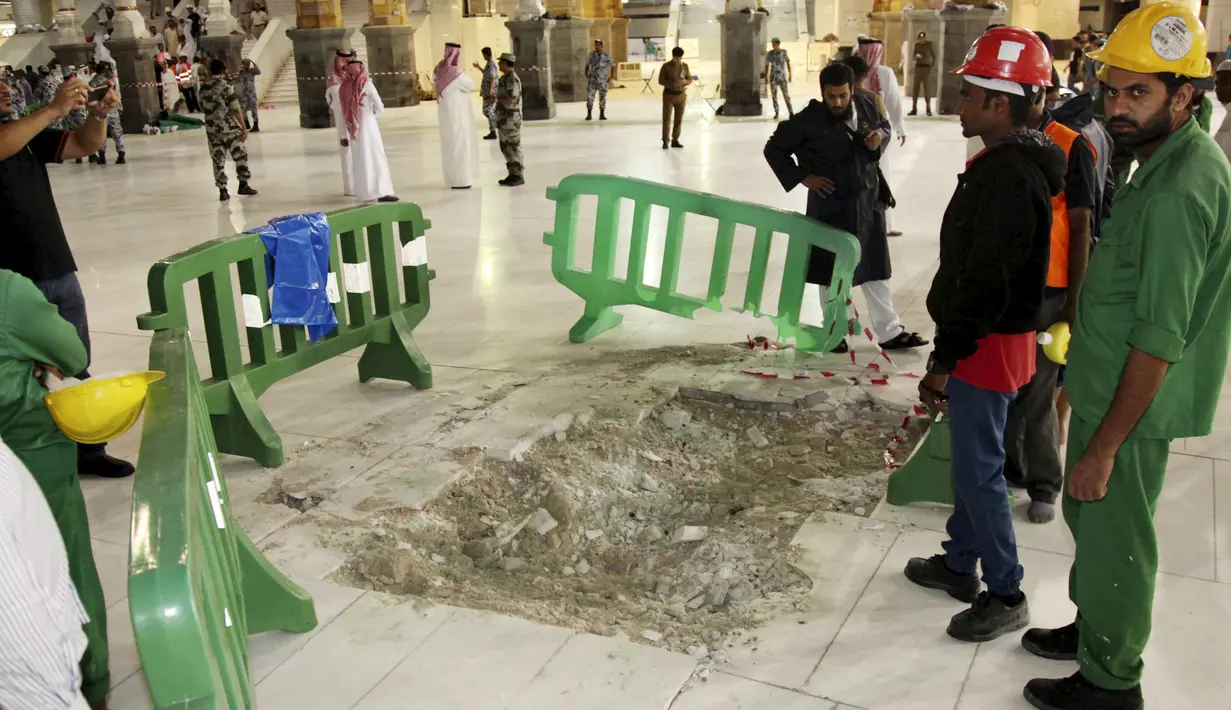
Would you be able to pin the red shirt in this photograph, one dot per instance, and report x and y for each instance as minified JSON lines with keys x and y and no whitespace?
{"x":1003,"y":363}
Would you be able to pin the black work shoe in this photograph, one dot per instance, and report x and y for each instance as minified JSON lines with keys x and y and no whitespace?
{"x":933,"y":573}
{"x":602,"y":116}
{"x":929,"y":114}
{"x":913,"y":112}
{"x":1077,"y":693}
{"x":1054,"y":644}
{"x":990,"y":617}
{"x":388,"y":198}
{"x":105,"y":466}
{"x":513,"y":181}
{"x":589,"y":117}
{"x":490,"y":136}
{"x":676,"y":144}
{"x":246,"y":189}
{"x":120,"y":159}
{"x":666,"y":145}
{"x":223,"y":195}
{"x":841,"y":349}
{"x":93,"y":158}
{"x":102,"y":158}
{"x":256,"y":128}
{"x":775,"y":117}
{"x":79,"y":161}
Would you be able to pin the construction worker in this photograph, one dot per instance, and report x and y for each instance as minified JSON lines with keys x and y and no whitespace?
{"x":994,"y":243}
{"x":1032,"y":434}
{"x":1148,"y":354}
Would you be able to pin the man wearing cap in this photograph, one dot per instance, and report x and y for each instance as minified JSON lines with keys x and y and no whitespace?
{"x":994,"y":243}
{"x":600,"y":70}
{"x":1223,"y":90}
{"x":508,"y":119}
{"x":1148,"y":355}
{"x":778,"y":76}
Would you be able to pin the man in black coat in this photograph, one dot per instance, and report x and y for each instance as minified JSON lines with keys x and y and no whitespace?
{"x":832,"y":148}
{"x":995,"y":243}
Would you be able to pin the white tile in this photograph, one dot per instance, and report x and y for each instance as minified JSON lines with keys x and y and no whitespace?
{"x":1222,"y":519}
{"x":342,"y":663}
{"x":840,"y":553}
{"x":120,"y":643}
{"x":1184,"y":662}
{"x":506,"y":653}
{"x":900,"y":626}
{"x":271,"y":649}
{"x":296,"y":550}
{"x":132,"y":694}
{"x":112,"y":563}
{"x":726,"y":692}
{"x":599,"y":673}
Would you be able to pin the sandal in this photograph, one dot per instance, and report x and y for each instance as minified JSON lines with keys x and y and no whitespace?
{"x":894,"y":233}
{"x":904,"y":341}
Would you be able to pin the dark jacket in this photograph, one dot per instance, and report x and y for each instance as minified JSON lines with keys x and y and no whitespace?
{"x":1078,"y":114}
{"x":813,"y":142}
{"x":995,"y":242}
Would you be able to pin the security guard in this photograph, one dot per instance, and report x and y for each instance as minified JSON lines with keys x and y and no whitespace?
{"x":1148,"y":354}
{"x":600,"y":70}
{"x":508,"y":120}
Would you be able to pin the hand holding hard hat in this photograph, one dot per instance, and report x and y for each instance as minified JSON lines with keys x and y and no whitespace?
{"x":97,"y":411}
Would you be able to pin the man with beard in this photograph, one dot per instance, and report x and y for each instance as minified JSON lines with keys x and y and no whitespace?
{"x":832,"y":148}
{"x":1148,"y":354}
{"x":995,"y":239}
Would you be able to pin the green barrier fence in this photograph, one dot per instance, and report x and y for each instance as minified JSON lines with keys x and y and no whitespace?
{"x":197,"y":586}
{"x":602,"y":289}
{"x":231,"y":393}
{"x":927,"y":476}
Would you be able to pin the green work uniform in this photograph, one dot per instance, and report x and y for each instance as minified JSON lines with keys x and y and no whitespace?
{"x":1158,"y":282}
{"x":32,"y":332}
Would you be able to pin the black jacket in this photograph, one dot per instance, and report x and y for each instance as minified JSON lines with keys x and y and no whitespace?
{"x":995,"y":242}
{"x":1078,"y":114}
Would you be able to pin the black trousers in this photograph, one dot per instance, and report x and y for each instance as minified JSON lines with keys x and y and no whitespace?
{"x":190,"y":99}
{"x":1032,"y":433}
{"x":65,"y":294}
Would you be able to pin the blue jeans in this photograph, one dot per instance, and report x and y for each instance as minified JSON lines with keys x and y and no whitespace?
{"x":981,"y":526}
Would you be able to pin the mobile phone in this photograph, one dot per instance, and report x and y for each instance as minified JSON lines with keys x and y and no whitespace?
{"x":98,"y":94}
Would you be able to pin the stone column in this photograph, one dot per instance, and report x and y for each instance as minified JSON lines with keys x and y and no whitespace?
{"x":570,"y":52}
{"x":446,"y":26}
{"x":73,"y":54}
{"x":128,"y":23}
{"x":27,"y":17}
{"x":914,"y":22}
{"x":222,"y":37}
{"x":315,"y":41}
{"x":68,"y":24}
{"x":391,"y":53}
{"x":743,"y":60}
{"x":134,"y":66}
{"x":961,"y":29}
{"x":532,"y":46}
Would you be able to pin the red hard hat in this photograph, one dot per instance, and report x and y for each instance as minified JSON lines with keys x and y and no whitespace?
{"x":1009,"y":54}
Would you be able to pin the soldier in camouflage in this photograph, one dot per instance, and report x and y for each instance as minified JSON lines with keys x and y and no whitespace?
{"x":508,"y":119}
{"x":598,"y":77}
{"x":248,"y":72}
{"x":488,"y":91}
{"x":105,"y":76}
{"x":224,"y":129}
{"x":778,"y":76}
{"x":19,"y":96}
{"x":48,"y":83}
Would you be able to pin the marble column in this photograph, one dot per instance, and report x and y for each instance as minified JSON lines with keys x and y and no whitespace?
{"x":570,"y":52}
{"x":27,"y":17}
{"x":68,"y":24}
{"x":532,"y":46}
{"x":391,"y":53}
{"x":1218,"y":26}
{"x":961,"y":29}
{"x":315,"y":41}
{"x":128,"y":22}
{"x":743,"y":60}
{"x":134,"y":66}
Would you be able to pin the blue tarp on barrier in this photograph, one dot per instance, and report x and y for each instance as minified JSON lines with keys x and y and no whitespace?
{"x":298,"y":271}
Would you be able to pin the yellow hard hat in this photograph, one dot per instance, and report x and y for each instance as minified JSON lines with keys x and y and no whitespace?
{"x":98,"y":411}
{"x":1164,"y":37}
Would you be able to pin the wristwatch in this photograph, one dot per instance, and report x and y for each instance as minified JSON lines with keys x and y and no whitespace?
{"x":937,"y":368}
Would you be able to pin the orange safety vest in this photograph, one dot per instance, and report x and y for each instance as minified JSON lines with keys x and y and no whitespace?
{"x":1058,"y":267}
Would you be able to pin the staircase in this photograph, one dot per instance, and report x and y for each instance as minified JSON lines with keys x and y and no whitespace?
{"x":285,"y":90}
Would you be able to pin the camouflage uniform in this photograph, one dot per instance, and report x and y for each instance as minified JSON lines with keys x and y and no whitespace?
{"x":776,"y":61}
{"x":45,"y":93}
{"x":219,"y":104}
{"x":115,"y":130}
{"x":491,"y":73}
{"x":508,"y":121}
{"x":19,"y":97}
{"x":247,"y":91}
{"x":599,"y":76}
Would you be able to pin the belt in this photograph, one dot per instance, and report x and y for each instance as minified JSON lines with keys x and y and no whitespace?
{"x":673,"y":92}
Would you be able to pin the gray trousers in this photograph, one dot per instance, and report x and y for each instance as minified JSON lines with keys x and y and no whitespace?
{"x":65,"y":294}
{"x":1032,"y":433}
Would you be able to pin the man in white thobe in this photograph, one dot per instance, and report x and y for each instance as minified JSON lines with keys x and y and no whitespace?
{"x":360,"y":107}
{"x":459,"y":150}
{"x":333,"y":87}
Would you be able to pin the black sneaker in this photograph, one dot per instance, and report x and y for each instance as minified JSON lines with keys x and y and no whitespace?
{"x":1077,"y":693}
{"x":246,"y":189}
{"x":388,"y":198}
{"x":990,"y":617}
{"x":933,"y":573}
{"x":105,"y":467}
{"x":676,"y":144}
{"x":1053,"y":644}
{"x":490,"y":136}
{"x":223,"y":195}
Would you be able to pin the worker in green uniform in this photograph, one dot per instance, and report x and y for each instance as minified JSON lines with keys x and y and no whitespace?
{"x":1148,"y":354}
{"x":36,"y":343}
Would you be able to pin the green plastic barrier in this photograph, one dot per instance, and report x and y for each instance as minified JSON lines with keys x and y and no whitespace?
{"x":927,"y":476}
{"x":197,"y":587}
{"x":376,"y":317}
{"x":602,"y":290}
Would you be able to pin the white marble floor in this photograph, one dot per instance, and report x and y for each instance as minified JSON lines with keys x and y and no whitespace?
{"x":869,"y":640}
